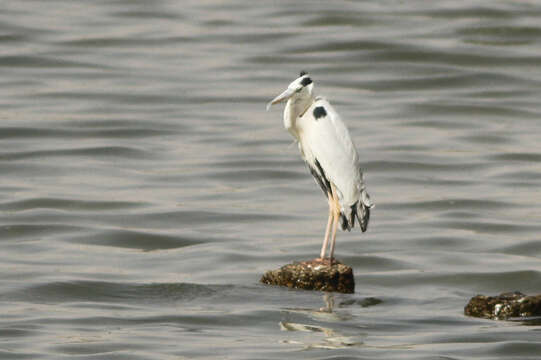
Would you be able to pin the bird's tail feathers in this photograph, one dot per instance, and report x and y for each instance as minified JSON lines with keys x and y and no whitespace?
{"x":359,"y":210}
{"x":363,"y":210}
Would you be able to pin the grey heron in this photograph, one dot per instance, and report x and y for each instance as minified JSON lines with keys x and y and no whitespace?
{"x":326,"y":147}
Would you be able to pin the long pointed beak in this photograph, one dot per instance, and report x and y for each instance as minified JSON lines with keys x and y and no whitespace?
{"x":282,"y":97}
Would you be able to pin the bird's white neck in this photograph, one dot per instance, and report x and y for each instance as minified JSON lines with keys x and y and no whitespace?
{"x":293,"y":110}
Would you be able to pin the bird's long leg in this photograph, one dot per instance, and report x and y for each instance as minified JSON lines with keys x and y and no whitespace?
{"x":327,"y":230}
{"x":336,"y":216}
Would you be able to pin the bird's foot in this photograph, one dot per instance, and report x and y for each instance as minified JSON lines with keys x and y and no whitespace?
{"x":325,"y":261}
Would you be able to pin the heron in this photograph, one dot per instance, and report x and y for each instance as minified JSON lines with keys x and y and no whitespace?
{"x":327,"y":149}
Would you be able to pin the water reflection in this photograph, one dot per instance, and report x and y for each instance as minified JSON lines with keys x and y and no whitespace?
{"x":328,"y":298}
{"x":325,"y":327}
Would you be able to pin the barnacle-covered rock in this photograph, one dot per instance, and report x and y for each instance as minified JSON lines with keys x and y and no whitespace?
{"x":504,"y":306}
{"x":313,"y":275}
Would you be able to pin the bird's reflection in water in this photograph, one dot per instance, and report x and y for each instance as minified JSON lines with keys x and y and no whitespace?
{"x":328,"y":298}
{"x":325,"y":336}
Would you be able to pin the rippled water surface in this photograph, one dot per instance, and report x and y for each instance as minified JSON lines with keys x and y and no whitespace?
{"x":144,"y":188}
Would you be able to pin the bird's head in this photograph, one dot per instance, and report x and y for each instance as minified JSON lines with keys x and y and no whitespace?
{"x":300,"y":89}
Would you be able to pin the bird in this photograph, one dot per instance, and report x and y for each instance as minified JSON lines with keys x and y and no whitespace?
{"x":331,"y":156}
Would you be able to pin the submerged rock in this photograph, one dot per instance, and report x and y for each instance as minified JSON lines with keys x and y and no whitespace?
{"x":504,"y":306}
{"x":313,"y":275}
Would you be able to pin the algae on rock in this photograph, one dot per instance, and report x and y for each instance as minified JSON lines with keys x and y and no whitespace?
{"x":504,"y":306}
{"x":313,"y":275}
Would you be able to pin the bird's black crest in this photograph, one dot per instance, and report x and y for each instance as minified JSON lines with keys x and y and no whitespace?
{"x":319,"y":112}
{"x":303,"y":73}
{"x":306,"y":81}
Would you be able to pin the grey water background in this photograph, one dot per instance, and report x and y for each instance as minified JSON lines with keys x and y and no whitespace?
{"x":144,"y":188}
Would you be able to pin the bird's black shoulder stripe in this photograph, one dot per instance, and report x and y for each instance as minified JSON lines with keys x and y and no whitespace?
{"x":325,"y":181}
{"x":319,"y":179}
{"x":306,"y":81}
{"x":319,"y":111}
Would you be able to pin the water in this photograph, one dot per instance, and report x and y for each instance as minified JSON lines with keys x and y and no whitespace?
{"x":144,"y":189}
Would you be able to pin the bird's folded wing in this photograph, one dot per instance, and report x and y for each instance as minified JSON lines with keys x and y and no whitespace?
{"x":329,"y":142}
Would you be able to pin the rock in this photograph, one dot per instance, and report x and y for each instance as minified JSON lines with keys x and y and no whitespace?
{"x":504,"y":306}
{"x":313,"y":275}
